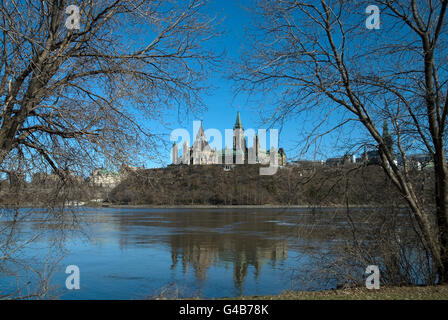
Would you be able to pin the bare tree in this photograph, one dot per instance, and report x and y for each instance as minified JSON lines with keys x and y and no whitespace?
{"x":319,"y":56}
{"x":72,"y":96}
{"x":84,"y":83}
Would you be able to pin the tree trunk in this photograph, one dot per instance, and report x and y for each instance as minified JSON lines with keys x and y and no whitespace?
{"x":441,"y":189}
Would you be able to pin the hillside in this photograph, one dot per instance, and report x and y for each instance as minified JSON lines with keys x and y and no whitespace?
{"x":201,"y":185}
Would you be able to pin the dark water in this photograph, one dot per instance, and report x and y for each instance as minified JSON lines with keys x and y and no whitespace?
{"x":139,"y":253}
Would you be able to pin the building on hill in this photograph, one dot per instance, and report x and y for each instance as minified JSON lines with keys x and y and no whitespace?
{"x":419,"y":161}
{"x":305,"y":163}
{"x":346,"y":159}
{"x":104,"y":178}
{"x":201,"y":153}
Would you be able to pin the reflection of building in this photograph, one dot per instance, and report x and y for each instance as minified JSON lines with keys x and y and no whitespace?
{"x":199,"y":240}
{"x":197,"y":251}
{"x":200,"y":257}
{"x":257,"y":257}
{"x":201,"y":153}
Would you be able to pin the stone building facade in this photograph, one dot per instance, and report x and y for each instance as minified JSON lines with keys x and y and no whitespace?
{"x":201,"y":153}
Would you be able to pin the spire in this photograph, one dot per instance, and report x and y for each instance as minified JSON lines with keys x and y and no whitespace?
{"x":238,"y":124}
{"x":200,"y":131}
{"x":201,"y":140}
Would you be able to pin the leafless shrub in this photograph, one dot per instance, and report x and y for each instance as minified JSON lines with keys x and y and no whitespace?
{"x":316,"y":61}
{"x":75,"y":99}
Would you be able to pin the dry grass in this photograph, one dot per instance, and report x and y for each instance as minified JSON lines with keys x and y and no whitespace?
{"x":384,"y":293}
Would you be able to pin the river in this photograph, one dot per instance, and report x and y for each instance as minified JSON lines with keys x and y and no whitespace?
{"x":138,"y":253}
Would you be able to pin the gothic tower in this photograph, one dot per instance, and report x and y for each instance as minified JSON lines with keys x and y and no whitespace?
{"x":239,"y":141}
{"x":202,"y":151}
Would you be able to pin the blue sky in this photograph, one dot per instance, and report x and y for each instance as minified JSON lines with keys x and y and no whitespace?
{"x":222,"y":103}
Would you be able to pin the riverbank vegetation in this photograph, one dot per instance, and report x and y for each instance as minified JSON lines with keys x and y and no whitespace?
{"x":54,"y":117}
{"x":384,"y":293}
{"x":67,"y":102}
{"x":328,"y":71}
{"x":306,"y":185}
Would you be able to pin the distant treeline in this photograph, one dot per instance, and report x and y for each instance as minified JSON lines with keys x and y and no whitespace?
{"x":243,"y":185}
{"x":319,"y":185}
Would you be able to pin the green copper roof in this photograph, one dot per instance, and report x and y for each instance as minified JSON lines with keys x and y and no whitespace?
{"x":238,"y":124}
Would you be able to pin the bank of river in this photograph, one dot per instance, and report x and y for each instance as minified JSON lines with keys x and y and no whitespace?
{"x":385,"y":293}
{"x":207,"y":206}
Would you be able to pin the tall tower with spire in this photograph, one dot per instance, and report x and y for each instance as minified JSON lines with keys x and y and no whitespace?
{"x":201,"y":152}
{"x":239,"y":141}
{"x":201,"y":149}
{"x":238,"y":134}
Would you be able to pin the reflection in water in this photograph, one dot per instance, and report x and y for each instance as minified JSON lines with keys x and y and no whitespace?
{"x":202,"y":251}
{"x":201,"y":239}
{"x":134,"y":252}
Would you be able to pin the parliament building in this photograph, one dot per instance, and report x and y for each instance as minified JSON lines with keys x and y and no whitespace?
{"x":201,"y":153}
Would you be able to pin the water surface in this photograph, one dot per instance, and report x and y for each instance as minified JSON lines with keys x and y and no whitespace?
{"x":129,"y":253}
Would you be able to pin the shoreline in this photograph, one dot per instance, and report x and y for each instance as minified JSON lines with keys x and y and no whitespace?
{"x":95,"y":205}
{"x":431,"y":292}
{"x":273,"y":206}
